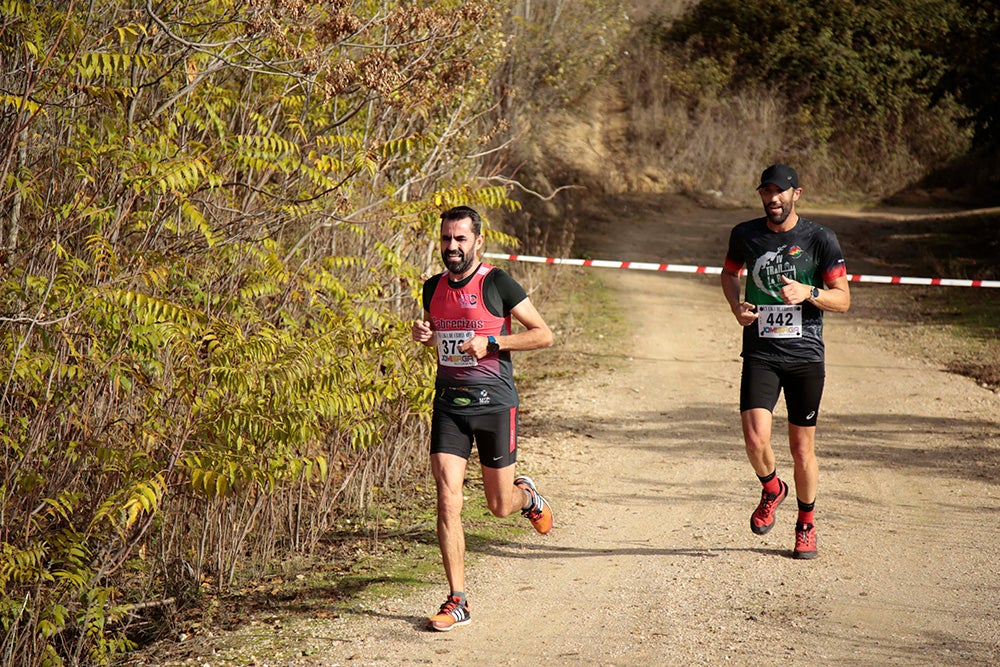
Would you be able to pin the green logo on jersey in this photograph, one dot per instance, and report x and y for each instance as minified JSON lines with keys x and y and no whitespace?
{"x":766,"y":274}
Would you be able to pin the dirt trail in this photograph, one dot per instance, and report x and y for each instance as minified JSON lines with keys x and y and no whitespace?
{"x":652,"y":560}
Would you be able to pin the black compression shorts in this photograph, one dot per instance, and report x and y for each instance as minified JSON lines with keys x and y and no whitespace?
{"x":762,"y":382}
{"x":495,"y":435}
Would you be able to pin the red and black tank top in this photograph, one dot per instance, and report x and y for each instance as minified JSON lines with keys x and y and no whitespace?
{"x":459,"y":311}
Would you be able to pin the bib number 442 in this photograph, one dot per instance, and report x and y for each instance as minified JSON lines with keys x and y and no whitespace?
{"x":779,"y":321}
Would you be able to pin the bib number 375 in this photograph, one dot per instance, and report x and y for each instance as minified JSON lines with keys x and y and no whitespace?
{"x":448,"y":354}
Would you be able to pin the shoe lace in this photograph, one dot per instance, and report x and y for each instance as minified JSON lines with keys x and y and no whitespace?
{"x":449,"y":605}
{"x":805,"y":535}
{"x":767,"y":501}
{"x":533,"y":513}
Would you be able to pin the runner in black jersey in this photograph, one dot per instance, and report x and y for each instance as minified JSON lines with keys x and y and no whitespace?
{"x":795,"y":272}
{"x":467,"y":319}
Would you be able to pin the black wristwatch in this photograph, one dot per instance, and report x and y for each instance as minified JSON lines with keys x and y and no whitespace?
{"x":492,"y":346}
{"x":815,"y":293}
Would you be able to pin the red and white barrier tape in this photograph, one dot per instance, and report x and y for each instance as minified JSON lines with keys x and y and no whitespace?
{"x":689,"y":268}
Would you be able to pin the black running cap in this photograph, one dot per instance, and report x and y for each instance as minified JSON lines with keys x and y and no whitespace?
{"x":781,"y":175}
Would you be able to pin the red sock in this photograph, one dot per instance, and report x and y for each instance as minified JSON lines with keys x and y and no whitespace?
{"x":806,"y":512}
{"x":772,"y":484}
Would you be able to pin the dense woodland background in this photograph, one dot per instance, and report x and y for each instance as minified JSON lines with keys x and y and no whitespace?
{"x":215,"y":218}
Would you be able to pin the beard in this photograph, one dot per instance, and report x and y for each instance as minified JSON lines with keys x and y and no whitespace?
{"x":777,"y":218}
{"x":457,"y":262}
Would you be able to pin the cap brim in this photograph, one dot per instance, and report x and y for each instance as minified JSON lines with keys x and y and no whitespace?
{"x":775,"y":183}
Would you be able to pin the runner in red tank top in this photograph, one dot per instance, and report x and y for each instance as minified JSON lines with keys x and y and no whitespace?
{"x":467,"y":319}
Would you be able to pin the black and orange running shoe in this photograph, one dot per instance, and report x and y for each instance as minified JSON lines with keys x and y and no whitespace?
{"x":805,"y":541}
{"x":453,"y":612}
{"x":539,"y":514}
{"x":762,"y":519}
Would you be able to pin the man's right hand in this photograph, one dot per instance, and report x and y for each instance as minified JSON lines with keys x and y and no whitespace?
{"x":746,"y":314}
{"x":422,"y":331}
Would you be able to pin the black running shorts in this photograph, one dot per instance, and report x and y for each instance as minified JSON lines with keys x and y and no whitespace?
{"x":763,"y":381}
{"x":495,"y":435}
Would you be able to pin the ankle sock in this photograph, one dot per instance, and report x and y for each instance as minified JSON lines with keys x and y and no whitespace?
{"x":771,"y":482}
{"x":806,"y":511}
{"x":531,"y":500}
{"x":460,"y":595}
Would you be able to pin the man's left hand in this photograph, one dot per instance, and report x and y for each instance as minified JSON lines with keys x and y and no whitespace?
{"x":476,"y":346}
{"x":794,"y":292}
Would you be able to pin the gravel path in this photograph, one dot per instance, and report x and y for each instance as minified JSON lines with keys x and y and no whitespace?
{"x":652,"y":561}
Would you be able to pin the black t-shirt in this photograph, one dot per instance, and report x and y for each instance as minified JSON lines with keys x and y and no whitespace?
{"x":807,"y":253}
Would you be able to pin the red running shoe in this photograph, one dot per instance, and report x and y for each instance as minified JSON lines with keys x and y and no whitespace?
{"x":805,"y":541}
{"x":539,"y":514}
{"x":452,"y":614}
{"x":762,"y":519}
